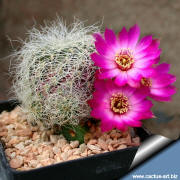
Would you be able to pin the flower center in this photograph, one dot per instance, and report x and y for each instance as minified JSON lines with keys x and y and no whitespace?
{"x":119,"y":104}
{"x":124,"y":60}
{"x":146,"y":82}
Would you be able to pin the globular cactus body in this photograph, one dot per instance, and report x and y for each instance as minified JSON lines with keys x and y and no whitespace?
{"x":54,"y":76}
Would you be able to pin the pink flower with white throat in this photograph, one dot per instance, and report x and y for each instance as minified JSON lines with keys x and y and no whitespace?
{"x":119,"y":107}
{"x":160,"y":83}
{"x":124,"y":58}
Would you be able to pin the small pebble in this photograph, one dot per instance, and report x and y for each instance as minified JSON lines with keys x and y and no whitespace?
{"x":20,"y":146}
{"x":53,"y":139}
{"x":74,"y":144}
{"x":13,"y":155}
{"x":56,"y":150}
{"x":103,"y":144}
{"x":110,"y":147}
{"x":92,"y":141}
{"x":122,"y":146}
{"x":82,"y":147}
{"x":74,"y":157}
{"x":16,"y":163}
{"x":61,"y":143}
{"x":64,"y":156}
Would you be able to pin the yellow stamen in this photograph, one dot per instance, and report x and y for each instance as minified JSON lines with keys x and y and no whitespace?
{"x":146,"y":82}
{"x":119,"y":104}
{"x":124,"y":61}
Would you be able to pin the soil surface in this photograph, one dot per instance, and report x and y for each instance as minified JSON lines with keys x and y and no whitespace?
{"x":28,"y":147}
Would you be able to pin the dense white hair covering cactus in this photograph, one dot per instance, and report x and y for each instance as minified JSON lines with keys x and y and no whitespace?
{"x":54,"y":75}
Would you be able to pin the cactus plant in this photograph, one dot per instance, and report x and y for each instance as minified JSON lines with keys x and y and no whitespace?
{"x":54,"y":75}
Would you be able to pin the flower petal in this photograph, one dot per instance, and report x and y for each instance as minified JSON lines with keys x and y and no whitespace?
{"x":101,"y":96}
{"x":106,"y":126}
{"x":163,"y":80}
{"x":110,"y":37}
{"x":147,"y":55}
{"x":133,"y":83}
{"x":102,"y":48}
{"x":102,"y":61}
{"x":154,"y":45}
{"x":147,"y":72}
{"x":145,"y":64}
{"x":133,"y":123}
{"x":139,"y":95}
{"x":97,"y":36}
{"x":121,"y":79}
{"x":138,"y":116}
{"x":133,"y":36}
{"x":134,"y":74}
{"x":157,"y":98}
{"x":123,"y":38}
{"x":132,"y":119}
{"x":144,"y":105}
{"x":147,"y":115}
{"x":157,"y":60}
{"x":128,"y":91}
{"x":108,"y":73}
{"x":163,"y":92}
{"x":144,"y":43}
{"x":100,"y":113}
{"x":111,"y":87}
{"x":99,"y":84}
{"x":163,"y":68}
{"x":119,"y":123}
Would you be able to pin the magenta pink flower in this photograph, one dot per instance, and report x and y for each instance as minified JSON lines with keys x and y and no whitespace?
{"x":119,"y":107}
{"x":123,"y":58}
{"x":160,"y":84}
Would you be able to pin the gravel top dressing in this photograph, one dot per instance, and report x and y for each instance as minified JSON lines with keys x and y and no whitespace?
{"x":29,"y":147}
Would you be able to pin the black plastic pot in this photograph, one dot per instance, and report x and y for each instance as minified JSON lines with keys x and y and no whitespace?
{"x":106,"y":166}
